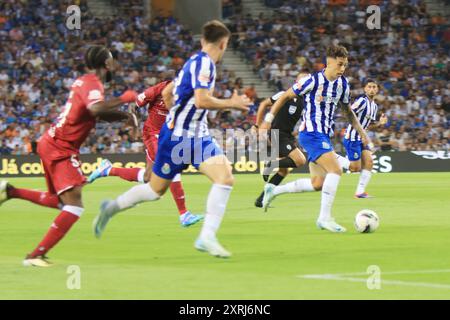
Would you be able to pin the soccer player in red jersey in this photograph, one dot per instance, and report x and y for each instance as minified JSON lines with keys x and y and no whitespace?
{"x":59,"y":148}
{"x":157,"y":112}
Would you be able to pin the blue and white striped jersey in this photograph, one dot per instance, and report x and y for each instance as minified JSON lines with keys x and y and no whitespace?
{"x":321,"y":98}
{"x":199,"y":72}
{"x":365,"y":111}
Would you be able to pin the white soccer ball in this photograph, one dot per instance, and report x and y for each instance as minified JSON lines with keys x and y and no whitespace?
{"x":366,"y":221}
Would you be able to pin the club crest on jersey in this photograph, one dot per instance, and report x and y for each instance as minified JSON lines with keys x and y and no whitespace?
{"x":165,"y":168}
{"x":292,"y":109}
{"x":325,"y":145}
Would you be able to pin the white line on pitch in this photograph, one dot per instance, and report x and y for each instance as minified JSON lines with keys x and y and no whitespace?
{"x":386,"y":273}
{"x":347,"y":277}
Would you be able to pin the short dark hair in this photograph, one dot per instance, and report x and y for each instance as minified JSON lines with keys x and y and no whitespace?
{"x":337,"y":52}
{"x":369,"y":80}
{"x":96,"y":56}
{"x":214,"y":31}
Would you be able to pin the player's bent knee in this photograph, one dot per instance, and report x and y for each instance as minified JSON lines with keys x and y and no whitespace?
{"x":224,"y":179}
{"x":355,"y":168}
{"x":317,"y":183}
{"x":159,"y":190}
{"x":159,"y":187}
{"x":72,"y":197}
{"x":147,"y":176}
{"x":283,"y":172}
{"x":337,"y":171}
{"x":368,"y":165}
{"x":227,"y":180}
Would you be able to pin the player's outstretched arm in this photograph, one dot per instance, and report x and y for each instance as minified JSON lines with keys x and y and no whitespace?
{"x":113,"y":116}
{"x":103,"y":107}
{"x":266,"y":103}
{"x":288,"y":95}
{"x":351,"y":117}
{"x":204,"y":100}
{"x":380,"y":123}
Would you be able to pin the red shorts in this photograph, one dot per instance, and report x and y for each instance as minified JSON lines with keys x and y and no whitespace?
{"x":150,"y":140}
{"x":61,"y":173}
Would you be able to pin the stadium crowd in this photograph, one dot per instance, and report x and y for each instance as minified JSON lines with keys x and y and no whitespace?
{"x":40,"y":58}
{"x":408,"y":56}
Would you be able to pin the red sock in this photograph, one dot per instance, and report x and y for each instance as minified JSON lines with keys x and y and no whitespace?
{"x":129,"y":174}
{"x":42,"y":198}
{"x":177,"y":191}
{"x":57,"y":231}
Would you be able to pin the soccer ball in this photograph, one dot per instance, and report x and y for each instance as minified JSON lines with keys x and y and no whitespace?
{"x":366,"y":221}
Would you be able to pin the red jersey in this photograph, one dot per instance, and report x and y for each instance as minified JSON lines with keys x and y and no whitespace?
{"x":76,"y":121}
{"x":157,"y":110}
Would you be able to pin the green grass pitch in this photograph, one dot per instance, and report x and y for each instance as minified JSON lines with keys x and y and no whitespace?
{"x":145,"y":254}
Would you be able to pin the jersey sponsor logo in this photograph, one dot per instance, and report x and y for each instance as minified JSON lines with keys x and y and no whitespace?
{"x":94,"y":95}
{"x":292,"y":109}
{"x":165,"y":168}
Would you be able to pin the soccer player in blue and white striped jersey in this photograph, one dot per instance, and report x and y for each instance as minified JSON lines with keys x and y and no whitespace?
{"x":184,"y":139}
{"x":322,"y":92}
{"x":359,"y":155}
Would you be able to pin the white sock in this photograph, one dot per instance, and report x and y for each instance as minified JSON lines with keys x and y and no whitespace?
{"x":78,"y":211}
{"x":140,"y":176}
{"x":215,"y":209}
{"x":364,"y":179}
{"x":343,"y":162}
{"x":329,"y":189}
{"x":300,"y":185}
{"x":137,"y":194}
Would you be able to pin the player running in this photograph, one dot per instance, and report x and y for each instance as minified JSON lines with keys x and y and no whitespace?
{"x":322,"y":92}
{"x":359,"y":155}
{"x":157,"y":112}
{"x":59,"y":150}
{"x":284,"y":122}
{"x":184,"y":139}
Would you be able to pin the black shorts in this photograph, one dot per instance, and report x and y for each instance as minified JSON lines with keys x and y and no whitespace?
{"x":286,"y":143}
